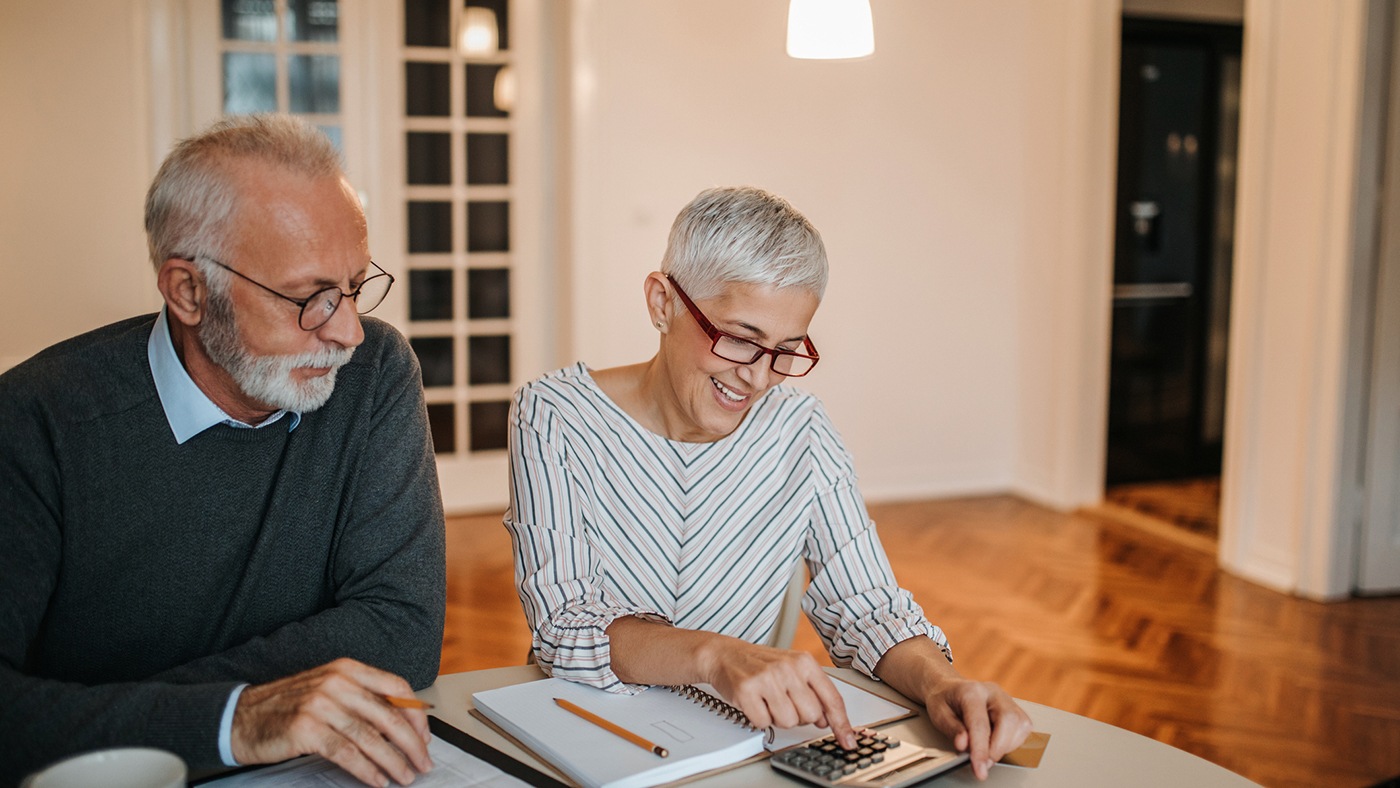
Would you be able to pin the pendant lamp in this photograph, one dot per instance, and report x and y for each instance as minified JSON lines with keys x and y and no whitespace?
{"x":830,"y":29}
{"x":477,"y":34}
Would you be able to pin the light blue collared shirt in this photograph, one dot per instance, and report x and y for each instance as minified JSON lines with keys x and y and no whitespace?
{"x":187,"y":409}
{"x":189,"y":412}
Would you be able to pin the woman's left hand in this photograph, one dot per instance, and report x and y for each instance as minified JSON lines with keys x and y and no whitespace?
{"x":980,"y":718}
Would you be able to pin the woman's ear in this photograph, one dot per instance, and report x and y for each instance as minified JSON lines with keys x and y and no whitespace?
{"x":658,"y":293}
{"x":183,"y":289}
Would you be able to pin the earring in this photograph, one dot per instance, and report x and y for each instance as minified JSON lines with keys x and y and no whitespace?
{"x":658,"y":324}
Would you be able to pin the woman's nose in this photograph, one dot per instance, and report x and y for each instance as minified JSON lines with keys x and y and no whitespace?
{"x":757,"y":375}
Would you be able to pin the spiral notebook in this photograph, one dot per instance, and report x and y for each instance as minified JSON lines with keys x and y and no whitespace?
{"x":700,"y":730}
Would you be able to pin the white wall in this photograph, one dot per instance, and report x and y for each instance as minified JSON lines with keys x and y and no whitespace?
{"x":913,"y":164}
{"x":73,"y":171}
{"x":1066,"y":268}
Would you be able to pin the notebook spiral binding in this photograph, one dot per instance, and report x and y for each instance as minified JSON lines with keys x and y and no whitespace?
{"x":718,"y":706}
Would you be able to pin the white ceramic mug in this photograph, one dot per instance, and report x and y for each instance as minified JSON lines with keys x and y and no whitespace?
{"x":127,"y":767}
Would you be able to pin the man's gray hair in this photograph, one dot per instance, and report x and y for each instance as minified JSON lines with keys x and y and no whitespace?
{"x":194,"y":197}
{"x":743,"y":235}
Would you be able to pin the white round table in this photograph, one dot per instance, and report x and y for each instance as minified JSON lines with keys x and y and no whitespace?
{"x":1081,"y":752}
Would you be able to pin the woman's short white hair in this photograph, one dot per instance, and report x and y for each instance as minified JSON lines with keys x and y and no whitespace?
{"x":743,"y":235}
{"x":194,"y":197}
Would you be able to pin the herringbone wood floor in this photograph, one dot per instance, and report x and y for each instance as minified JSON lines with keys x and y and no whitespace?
{"x":1192,"y":504}
{"x":1091,"y":617}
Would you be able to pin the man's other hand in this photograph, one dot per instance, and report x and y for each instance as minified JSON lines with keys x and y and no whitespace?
{"x":337,"y":711}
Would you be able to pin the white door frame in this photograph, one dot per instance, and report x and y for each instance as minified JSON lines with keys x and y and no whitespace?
{"x":1379,"y":543}
{"x":1300,"y":311}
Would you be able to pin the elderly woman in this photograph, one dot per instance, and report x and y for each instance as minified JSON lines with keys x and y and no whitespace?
{"x":658,"y":510}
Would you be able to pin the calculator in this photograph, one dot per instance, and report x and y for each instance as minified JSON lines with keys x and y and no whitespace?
{"x":878,"y":761}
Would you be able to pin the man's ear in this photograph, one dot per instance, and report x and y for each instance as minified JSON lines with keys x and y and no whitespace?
{"x":183,"y":288}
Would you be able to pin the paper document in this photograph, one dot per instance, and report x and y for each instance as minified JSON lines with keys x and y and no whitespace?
{"x":451,"y":768}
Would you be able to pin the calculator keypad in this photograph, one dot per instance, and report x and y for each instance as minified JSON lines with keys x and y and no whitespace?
{"x":825,"y":761}
{"x":826,"y":758}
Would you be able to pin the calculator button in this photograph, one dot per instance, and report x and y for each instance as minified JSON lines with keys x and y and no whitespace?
{"x":863,"y":763}
{"x":849,"y":769}
{"x":893,"y":743}
{"x":865,"y":751}
{"x":827,"y":747}
{"x":881,"y":736}
{"x":876,"y":758}
{"x":852,"y":757}
{"x":879,"y":746}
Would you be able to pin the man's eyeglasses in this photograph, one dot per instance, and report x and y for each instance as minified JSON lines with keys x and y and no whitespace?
{"x":317,"y":308}
{"x":744,"y":351}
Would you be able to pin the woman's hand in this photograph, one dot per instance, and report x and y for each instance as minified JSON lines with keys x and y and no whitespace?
{"x":981,"y":719}
{"x":978,"y":716}
{"x":771,"y":686}
{"x":776,"y":687}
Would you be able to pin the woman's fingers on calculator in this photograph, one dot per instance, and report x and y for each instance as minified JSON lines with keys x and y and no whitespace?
{"x":834,"y":709}
{"x":781,"y":688}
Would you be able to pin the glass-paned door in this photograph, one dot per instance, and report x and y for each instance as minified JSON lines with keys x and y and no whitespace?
{"x":460,"y":205}
{"x":282,"y":56}
{"x":421,"y":97}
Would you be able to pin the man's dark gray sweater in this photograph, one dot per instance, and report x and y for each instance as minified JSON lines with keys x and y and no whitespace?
{"x":141,"y":580}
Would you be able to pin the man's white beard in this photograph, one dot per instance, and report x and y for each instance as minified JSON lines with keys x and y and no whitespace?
{"x":268,"y":379}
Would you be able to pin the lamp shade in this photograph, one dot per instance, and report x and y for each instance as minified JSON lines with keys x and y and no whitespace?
{"x":478,"y":35}
{"x":830,"y":29}
{"x":503,"y":94}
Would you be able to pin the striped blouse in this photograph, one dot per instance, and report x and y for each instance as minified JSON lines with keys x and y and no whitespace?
{"x":609,"y":519}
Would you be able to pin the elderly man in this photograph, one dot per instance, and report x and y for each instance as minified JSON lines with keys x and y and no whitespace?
{"x":220,"y":526}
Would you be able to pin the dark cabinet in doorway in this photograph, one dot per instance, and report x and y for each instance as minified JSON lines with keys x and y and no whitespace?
{"x":1174,"y":233}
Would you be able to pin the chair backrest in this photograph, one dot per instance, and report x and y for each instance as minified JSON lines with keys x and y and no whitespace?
{"x":786,"y":628}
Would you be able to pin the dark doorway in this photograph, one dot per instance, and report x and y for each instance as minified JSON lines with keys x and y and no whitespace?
{"x":1178,"y":124}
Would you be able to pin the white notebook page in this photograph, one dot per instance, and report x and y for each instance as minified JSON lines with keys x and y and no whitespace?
{"x":698,"y":739}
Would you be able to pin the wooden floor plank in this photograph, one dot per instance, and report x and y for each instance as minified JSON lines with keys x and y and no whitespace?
{"x":1089,"y":616}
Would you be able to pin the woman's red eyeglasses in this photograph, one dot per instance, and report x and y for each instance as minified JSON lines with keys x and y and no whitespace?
{"x":744,"y":351}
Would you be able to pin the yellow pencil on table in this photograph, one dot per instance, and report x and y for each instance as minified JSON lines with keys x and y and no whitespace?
{"x":406,"y":703}
{"x":611,"y":728}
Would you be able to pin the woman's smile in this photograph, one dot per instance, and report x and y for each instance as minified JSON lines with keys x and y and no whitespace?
{"x":729,"y":398}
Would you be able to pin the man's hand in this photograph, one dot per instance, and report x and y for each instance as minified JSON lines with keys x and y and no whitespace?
{"x":981,"y":719}
{"x":336,"y":711}
{"x":777,"y":687}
